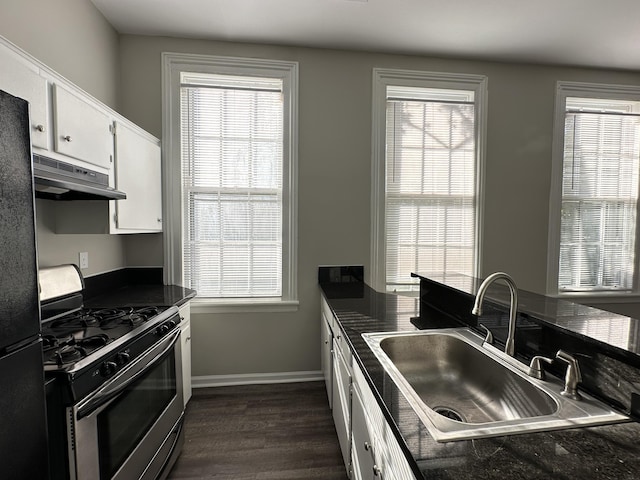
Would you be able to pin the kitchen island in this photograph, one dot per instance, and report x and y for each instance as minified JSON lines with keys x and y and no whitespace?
{"x":603,"y":452}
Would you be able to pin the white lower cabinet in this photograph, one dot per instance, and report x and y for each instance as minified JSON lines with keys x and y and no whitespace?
{"x":326,"y":354}
{"x":342,"y":400}
{"x":369,"y":447}
{"x":185,"y":339}
{"x":377,"y":452}
{"x":362,"y":459}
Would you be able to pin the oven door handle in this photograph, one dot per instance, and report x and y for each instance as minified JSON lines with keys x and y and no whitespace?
{"x":114,"y":387}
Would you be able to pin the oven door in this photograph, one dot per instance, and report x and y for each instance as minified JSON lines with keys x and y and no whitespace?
{"x":131,"y":427}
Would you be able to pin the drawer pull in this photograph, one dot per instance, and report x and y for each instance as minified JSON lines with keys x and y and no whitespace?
{"x":67,"y":138}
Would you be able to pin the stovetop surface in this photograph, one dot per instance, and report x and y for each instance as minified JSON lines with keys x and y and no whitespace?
{"x":75,"y":336}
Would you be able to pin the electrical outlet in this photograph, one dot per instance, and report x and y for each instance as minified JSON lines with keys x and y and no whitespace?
{"x":83,"y":260}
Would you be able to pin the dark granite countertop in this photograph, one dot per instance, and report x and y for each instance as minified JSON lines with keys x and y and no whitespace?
{"x":141,"y":296}
{"x":605,"y":452}
{"x":133,"y":288}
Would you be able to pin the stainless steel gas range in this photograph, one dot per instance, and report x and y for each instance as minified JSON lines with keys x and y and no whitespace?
{"x":114,"y":400}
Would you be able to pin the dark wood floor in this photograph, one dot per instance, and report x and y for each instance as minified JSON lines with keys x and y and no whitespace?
{"x":260,"y":432}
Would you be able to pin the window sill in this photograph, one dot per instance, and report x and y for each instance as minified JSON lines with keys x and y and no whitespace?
{"x":243,"y":305}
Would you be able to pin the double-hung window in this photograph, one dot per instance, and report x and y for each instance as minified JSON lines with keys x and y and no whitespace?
{"x":427,"y":164}
{"x":233,"y":140}
{"x":594,"y":203}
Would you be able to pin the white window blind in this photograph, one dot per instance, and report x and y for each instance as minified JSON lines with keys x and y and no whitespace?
{"x":598,"y":225}
{"x":430,"y":203}
{"x":232,"y":170}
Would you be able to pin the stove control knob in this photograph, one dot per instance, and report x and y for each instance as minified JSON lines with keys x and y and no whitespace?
{"x":108,"y":368}
{"x":162,"y":329}
{"x":122,"y":358}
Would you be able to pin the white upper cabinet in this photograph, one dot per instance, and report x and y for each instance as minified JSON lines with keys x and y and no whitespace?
{"x":71,"y":126}
{"x":139,"y":174}
{"x":22,"y":79}
{"x":82,"y":131}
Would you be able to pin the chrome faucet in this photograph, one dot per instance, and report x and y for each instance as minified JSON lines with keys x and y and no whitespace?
{"x":509,"y":347}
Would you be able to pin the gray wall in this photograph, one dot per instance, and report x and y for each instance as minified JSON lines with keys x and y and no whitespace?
{"x":334,"y":179}
{"x":69,"y":36}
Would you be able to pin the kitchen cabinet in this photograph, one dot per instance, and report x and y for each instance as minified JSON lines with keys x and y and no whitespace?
{"x":377,"y":453}
{"x":339,"y":356}
{"x":139,"y":175}
{"x":82,"y":130}
{"x":369,"y":448}
{"x":71,"y":126}
{"x":326,"y":349}
{"x":21,"y":78}
{"x":363,"y":465}
{"x":341,"y":393}
{"x":185,"y":340}
{"x":342,"y":400}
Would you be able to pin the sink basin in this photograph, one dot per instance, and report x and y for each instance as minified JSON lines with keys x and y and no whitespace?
{"x":462,"y":389}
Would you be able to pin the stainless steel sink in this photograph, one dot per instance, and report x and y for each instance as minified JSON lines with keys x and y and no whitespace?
{"x":462,"y":389}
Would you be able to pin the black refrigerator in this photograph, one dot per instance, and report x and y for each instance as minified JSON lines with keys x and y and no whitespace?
{"x":23,"y":430}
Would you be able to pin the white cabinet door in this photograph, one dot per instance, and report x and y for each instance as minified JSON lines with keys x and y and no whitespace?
{"x":185,"y":339}
{"x":388,"y":458}
{"x":139,"y":175}
{"x":326,"y":344}
{"x":342,"y":402}
{"x":82,"y":131}
{"x":362,"y":462}
{"x":22,"y":79}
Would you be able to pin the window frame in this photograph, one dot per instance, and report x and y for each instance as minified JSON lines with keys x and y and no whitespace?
{"x":412,"y":78}
{"x":564,"y":90}
{"x":173,"y":64}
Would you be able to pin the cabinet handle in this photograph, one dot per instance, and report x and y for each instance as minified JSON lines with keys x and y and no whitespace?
{"x":369,"y":448}
{"x":159,"y":220}
{"x":67,"y":138}
{"x":40,"y":128}
{"x":188,"y":338}
{"x":376,"y":471}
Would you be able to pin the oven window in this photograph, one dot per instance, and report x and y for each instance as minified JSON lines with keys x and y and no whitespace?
{"x":122,"y":425}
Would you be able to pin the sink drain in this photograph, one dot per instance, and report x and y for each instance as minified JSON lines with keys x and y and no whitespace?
{"x":449,"y":413}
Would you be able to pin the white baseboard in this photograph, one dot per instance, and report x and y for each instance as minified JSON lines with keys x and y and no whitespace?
{"x":254,"y":379}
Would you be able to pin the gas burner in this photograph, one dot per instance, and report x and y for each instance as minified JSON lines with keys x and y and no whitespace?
{"x":50,"y":342}
{"x":112,"y":317}
{"x":77,"y":320}
{"x":128,"y":316}
{"x":94,"y":341}
{"x":69,"y":353}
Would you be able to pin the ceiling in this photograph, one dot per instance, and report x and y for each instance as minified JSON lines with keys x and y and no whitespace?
{"x":595,"y":33}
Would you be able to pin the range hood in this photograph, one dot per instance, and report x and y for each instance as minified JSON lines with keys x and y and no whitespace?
{"x":57,"y":180}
